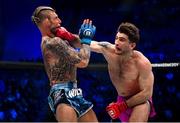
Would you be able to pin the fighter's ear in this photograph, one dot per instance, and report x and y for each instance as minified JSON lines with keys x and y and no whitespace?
{"x":132,"y":45}
{"x":46,"y":21}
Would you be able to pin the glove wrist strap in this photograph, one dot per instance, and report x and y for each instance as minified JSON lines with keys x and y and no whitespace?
{"x":86,"y":41}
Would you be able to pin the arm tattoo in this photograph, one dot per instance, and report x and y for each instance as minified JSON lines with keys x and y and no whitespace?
{"x":85,"y":52}
{"x":63,"y":50}
{"x":59,"y":59}
{"x":104,"y":44}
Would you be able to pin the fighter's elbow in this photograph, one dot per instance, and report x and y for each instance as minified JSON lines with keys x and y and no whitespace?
{"x":147,"y":94}
{"x":83,"y":64}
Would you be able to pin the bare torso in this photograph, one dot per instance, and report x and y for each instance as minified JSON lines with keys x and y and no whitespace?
{"x":57,"y":64}
{"x":124,"y":74}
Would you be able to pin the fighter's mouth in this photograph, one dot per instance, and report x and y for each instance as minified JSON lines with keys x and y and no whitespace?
{"x":58,"y":26}
{"x":117,"y":48}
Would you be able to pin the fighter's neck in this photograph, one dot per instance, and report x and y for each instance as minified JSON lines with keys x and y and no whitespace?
{"x":127,"y":56}
{"x":46,"y":33}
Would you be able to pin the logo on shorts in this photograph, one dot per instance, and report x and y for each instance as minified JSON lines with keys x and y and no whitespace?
{"x":57,"y":94}
{"x":74,"y":92}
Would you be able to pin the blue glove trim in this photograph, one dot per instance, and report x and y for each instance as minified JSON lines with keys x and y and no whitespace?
{"x":77,"y":49}
{"x":86,"y":41}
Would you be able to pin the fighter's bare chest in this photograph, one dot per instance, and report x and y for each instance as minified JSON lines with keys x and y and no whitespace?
{"x":123,"y":71}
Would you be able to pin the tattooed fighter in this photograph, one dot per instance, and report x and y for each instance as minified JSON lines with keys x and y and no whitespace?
{"x":131,"y":74}
{"x":61,"y":61}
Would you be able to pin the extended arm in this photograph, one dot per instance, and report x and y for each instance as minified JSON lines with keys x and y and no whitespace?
{"x":99,"y":47}
{"x":86,"y":34}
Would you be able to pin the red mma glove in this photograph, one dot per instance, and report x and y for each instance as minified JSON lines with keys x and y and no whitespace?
{"x":115,"y":109}
{"x":64,"y":34}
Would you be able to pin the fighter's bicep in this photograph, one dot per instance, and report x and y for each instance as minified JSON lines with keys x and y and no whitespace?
{"x":99,"y":47}
{"x":72,"y":56}
{"x":146,"y":79}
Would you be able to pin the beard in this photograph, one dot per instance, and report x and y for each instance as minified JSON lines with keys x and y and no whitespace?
{"x":118,"y":51}
{"x":54,"y":28}
{"x":121,"y":51}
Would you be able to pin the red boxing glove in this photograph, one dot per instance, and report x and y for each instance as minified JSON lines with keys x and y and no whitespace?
{"x":115,"y":109}
{"x":64,"y":34}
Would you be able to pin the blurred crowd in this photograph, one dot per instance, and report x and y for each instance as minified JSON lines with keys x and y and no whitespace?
{"x":24,"y":91}
{"x":23,"y":94}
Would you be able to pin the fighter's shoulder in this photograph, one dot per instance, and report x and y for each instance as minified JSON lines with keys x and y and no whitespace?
{"x":48,"y":40}
{"x":142,"y":61}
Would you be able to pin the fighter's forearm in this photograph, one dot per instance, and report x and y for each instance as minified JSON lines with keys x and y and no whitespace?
{"x":76,"y":42}
{"x":84,"y":55}
{"x":139,"y":98}
{"x":100,"y":46}
{"x":85,"y":51}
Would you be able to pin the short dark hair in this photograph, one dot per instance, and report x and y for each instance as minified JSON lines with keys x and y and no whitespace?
{"x":130,"y":30}
{"x":40,"y":13}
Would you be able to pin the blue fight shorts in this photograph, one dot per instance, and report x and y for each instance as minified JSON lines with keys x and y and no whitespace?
{"x":68,"y":93}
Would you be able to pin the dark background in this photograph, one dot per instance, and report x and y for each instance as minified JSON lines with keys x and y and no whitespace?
{"x":23,"y":91}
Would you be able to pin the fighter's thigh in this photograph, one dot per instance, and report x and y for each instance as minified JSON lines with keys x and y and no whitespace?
{"x":140,"y":113}
{"x":65,"y":113}
{"x":90,"y":116}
